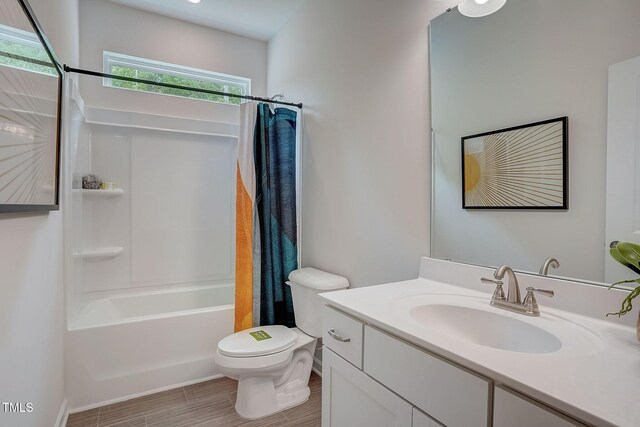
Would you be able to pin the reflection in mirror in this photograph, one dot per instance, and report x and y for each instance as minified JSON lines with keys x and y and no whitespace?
{"x":530,"y":61}
{"x":623,"y":162}
{"x":29,"y":114}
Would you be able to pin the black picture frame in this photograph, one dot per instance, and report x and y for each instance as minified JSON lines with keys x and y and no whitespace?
{"x":37,"y":28}
{"x":545,"y":198}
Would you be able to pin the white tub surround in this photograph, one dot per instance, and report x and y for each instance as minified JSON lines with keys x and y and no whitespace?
{"x":591,"y":375}
{"x":148,"y":266}
{"x":147,"y":233}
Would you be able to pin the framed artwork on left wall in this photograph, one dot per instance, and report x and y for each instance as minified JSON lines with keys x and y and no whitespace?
{"x":30,"y":113}
{"x":522,"y":167}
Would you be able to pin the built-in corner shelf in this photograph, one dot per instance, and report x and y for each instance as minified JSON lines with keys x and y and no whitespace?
{"x":100,"y":194}
{"x":99,"y":254}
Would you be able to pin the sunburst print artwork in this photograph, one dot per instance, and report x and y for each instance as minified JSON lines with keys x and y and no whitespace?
{"x":30,"y":114}
{"x":523,"y":167}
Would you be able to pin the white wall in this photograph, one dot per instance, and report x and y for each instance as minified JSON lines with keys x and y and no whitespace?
{"x":108,"y":26}
{"x":530,"y":61}
{"x":60,"y":21}
{"x":361,"y":69}
{"x":31,"y":317}
{"x":31,"y":306}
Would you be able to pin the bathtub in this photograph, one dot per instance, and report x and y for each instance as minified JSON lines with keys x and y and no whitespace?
{"x":125,"y":346}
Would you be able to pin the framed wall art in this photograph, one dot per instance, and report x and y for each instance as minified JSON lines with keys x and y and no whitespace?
{"x":522,"y":167}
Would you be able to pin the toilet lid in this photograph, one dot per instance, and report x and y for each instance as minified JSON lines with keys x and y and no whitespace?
{"x":258,"y":341}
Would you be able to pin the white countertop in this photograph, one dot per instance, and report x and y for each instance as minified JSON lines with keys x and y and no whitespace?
{"x":594,"y":377}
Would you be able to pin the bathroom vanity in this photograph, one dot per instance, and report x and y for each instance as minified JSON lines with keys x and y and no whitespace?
{"x":433,"y":352}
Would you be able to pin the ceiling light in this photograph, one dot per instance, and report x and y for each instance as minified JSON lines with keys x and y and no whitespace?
{"x":194,"y":1}
{"x":478,"y":8}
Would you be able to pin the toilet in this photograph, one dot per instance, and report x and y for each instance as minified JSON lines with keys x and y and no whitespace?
{"x":273,"y":363}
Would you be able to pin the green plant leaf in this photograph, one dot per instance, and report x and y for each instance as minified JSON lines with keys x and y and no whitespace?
{"x":627,"y":254}
{"x":630,"y":251}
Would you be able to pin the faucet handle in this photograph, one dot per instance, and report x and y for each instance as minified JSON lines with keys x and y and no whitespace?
{"x":544,"y":292}
{"x":498,"y":294}
{"x":530,"y":303}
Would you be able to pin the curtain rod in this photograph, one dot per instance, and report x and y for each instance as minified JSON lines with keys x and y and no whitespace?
{"x":69,"y":69}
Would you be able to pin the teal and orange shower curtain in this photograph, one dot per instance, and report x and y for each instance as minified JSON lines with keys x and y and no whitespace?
{"x":266,"y":215}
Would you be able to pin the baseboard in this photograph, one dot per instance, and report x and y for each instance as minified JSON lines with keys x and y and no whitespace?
{"x":144,"y":393}
{"x":317,"y":366}
{"x":63,"y":414}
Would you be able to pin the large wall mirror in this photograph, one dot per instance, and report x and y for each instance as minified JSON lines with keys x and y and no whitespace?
{"x":532,"y":61}
{"x":30,"y":90}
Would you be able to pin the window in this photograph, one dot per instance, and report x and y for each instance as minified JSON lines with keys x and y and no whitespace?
{"x":22,"y":49}
{"x":161,"y":72}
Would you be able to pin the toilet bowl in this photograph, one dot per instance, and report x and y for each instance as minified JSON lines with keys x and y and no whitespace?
{"x":273,"y":363}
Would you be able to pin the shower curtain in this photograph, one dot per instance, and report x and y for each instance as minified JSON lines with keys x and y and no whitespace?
{"x":266,"y":215}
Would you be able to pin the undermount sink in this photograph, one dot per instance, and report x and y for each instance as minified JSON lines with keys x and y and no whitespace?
{"x":485,"y":328}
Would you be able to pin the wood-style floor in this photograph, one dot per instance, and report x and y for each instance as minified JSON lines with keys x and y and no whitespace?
{"x":208,"y":404}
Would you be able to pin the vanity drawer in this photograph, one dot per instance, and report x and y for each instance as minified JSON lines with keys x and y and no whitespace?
{"x":453,"y":396}
{"x":342,"y":334}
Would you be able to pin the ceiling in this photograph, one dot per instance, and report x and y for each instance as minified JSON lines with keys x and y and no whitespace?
{"x":258,"y":19}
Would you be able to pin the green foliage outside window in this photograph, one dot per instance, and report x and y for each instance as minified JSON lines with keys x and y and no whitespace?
{"x":30,"y":52}
{"x":175,"y":80}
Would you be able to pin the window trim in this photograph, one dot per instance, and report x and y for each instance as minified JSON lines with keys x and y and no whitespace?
{"x":109,"y":59}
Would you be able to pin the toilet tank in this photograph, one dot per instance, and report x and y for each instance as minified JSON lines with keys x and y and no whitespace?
{"x":306,"y":283}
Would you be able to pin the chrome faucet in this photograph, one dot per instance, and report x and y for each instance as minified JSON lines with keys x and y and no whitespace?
{"x":512,"y":301}
{"x":513,"y":292}
{"x":550,"y":262}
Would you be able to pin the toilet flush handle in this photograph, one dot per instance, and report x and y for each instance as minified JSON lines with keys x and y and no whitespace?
{"x":332,"y":334}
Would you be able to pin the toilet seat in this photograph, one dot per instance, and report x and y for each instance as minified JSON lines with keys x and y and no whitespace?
{"x":237,"y":364}
{"x":260,"y":341}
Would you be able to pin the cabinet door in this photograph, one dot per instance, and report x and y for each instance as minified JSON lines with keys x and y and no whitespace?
{"x":422,"y":420}
{"x":452,"y":395}
{"x":351,"y":398}
{"x":511,"y":409}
